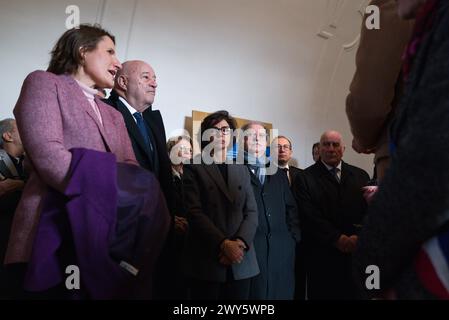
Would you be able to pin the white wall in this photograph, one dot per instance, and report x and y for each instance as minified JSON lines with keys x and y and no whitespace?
{"x":279,"y":61}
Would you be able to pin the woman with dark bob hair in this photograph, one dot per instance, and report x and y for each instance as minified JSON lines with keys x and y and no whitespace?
{"x":219,"y":255}
{"x":58,"y":110}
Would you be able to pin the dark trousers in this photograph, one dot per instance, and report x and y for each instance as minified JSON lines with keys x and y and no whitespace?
{"x":213,"y":290}
{"x":11,"y":282}
{"x":8,"y":204}
{"x":329,"y":276}
{"x":300,"y":273}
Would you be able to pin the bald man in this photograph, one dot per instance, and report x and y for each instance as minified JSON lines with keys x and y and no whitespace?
{"x":133,"y":95}
{"x":329,"y":194}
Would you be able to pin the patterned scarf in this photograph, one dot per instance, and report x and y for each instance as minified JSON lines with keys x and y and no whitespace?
{"x":257,"y":165}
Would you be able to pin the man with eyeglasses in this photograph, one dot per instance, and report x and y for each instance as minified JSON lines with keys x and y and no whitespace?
{"x":282,"y":152}
{"x":332,"y":208}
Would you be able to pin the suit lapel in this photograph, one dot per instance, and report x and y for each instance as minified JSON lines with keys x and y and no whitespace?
{"x":215,"y":174}
{"x":88,"y":108}
{"x":84,"y":103}
{"x":7,"y":165}
{"x":326,"y":173}
{"x":133,"y":129}
{"x":153,"y":123}
{"x":345,"y":172}
{"x":109,"y":126}
{"x":254,"y":179}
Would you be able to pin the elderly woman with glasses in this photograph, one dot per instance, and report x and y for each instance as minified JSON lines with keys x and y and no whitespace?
{"x":180,"y":152}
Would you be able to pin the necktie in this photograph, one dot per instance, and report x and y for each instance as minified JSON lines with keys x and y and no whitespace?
{"x":287,"y":173}
{"x":149,"y":141}
{"x":334,"y":172}
{"x":143,"y":129}
{"x":19,"y":167}
{"x":261,"y":174}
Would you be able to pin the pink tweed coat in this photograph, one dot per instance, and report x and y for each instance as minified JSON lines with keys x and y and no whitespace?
{"x":53,"y":115}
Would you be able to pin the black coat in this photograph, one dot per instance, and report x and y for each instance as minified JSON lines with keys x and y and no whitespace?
{"x":8,"y":204}
{"x":218,"y":210}
{"x":300,"y":266}
{"x":329,"y":209}
{"x":155,"y":123}
{"x":294,"y":174}
{"x":275,"y":239}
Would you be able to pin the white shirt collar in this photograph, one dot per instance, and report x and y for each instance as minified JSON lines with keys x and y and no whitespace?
{"x":330,"y":167}
{"x":284,"y":167}
{"x":175,"y":173}
{"x":127,"y":105}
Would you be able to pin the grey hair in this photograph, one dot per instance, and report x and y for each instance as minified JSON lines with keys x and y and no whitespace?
{"x":249,"y":124}
{"x":6,"y":125}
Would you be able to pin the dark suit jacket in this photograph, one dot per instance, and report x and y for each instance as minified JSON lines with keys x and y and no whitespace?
{"x":327,"y":210}
{"x":7,"y":167}
{"x":178,"y":185}
{"x":8,"y":202}
{"x":300,"y":267}
{"x":275,"y":238}
{"x":155,"y":123}
{"x":218,"y":210}
{"x":294,"y":173}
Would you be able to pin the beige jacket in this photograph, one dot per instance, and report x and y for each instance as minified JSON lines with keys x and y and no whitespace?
{"x":375,"y":88}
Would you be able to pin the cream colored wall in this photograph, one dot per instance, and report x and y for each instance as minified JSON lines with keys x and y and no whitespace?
{"x":288,"y":62}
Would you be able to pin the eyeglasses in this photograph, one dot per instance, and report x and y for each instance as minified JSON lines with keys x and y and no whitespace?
{"x":223,"y":130}
{"x":284,"y":146}
{"x":258,"y":136}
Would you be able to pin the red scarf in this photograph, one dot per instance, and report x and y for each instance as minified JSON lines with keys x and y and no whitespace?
{"x":423,"y":24}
